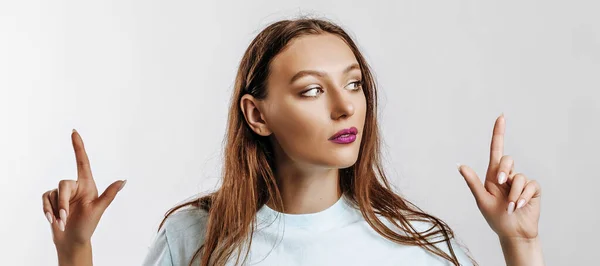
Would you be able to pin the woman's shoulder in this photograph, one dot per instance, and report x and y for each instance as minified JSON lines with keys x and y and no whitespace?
{"x":460,"y":249}
{"x":426,"y":226}
{"x":179,"y":237}
{"x":186,"y":219}
{"x":185,"y":228}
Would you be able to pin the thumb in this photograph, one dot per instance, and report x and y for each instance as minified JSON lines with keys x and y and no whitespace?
{"x":474,"y":183}
{"x":109,"y":194}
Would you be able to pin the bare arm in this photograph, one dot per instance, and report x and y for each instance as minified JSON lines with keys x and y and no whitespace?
{"x":518,"y":252}
{"x":80,"y":255}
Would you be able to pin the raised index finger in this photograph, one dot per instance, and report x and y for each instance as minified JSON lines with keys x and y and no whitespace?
{"x":497,"y":146}
{"x":84,"y":170}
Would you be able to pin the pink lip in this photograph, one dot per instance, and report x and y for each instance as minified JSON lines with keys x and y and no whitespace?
{"x":347,"y":135}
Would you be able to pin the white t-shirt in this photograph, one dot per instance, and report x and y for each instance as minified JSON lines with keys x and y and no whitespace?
{"x":338,"y":235}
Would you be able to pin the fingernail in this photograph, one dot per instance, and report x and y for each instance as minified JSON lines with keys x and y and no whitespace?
{"x":501,"y":178}
{"x":74,"y":130}
{"x":61,"y":225}
{"x":511,"y":207}
{"x":49,"y":217}
{"x":458,"y":166}
{"x":520,"y":203}
{"x":122,"y":185}
{"x":63,"y":215}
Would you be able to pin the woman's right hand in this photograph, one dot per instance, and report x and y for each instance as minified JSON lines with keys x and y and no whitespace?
{"x":74,"y":208}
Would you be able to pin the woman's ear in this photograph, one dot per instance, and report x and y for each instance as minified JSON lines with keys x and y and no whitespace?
{"x":253,"y":116}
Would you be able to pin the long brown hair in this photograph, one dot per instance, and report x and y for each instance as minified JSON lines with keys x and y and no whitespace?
{"x":248,"y":181}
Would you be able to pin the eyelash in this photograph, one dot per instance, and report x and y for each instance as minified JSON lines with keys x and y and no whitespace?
{"x":358,"y":86}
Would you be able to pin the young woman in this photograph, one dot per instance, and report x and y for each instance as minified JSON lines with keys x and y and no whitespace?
{"x":302,"y":178}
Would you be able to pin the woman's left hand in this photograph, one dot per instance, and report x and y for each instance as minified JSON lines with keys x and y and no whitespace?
{"x":509,"y":201}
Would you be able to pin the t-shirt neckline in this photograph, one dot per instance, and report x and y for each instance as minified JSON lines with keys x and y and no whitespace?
{"x":332,"y":216}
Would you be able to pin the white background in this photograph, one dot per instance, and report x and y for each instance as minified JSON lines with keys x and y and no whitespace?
{"x":147,"y":85}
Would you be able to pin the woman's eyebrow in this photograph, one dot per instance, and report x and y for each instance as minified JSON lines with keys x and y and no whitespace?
{"x":321,"y":74}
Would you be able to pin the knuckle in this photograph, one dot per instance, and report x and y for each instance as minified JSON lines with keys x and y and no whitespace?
{"x":520,"y":178}
{"x":82,"y":163}
{"x":535,"y":185}
{"x":64,"y":183}
{"x":529,"y":191}
{"x":48,"y":194}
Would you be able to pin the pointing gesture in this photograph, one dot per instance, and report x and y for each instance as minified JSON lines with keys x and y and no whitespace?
{"x":74,"y":208}
{"x":509,"y":201}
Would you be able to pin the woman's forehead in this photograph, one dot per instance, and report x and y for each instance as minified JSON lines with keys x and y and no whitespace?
{"x":323,"y":52}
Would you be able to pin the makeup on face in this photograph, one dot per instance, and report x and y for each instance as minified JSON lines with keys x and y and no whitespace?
{"x":345,"y":136}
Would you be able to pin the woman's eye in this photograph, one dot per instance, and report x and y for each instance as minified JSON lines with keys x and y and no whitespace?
{"x":357,"y":84}
{"x":312,"y":94}
{"x":314,"y":90}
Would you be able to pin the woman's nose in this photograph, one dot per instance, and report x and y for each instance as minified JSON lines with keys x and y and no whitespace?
{"x":342,"y":105}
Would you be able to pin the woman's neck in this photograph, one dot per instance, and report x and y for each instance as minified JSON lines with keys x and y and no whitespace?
{"x":306,"y":189}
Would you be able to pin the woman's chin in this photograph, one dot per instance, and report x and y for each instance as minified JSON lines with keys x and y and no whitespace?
{"x":343,"y":162}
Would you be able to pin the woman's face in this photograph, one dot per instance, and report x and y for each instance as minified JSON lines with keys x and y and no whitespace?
{"x":303,"y":111}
